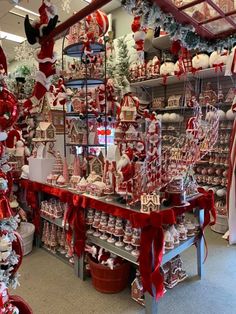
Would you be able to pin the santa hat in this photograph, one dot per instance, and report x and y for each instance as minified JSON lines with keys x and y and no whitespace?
{"x":3,"y":60}
{"x":129,"y":154}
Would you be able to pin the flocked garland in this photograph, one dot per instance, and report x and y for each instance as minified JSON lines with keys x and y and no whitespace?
{"x":153,"y":16}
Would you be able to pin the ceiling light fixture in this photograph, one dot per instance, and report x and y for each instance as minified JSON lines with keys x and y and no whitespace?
{"x":89,"y":1}
{"x":12,"y":37}
{"x":18,"y":7}
{"x":19,"y":15}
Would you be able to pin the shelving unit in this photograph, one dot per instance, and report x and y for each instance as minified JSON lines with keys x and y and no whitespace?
{"x":174,"y":79}
{"x":79,"y":267}
{"x":77,"y":51}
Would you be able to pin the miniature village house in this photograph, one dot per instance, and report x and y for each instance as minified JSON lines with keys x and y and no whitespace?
{"x":173,"y":272}
{"x":174,"y":101}
{"x":45,"y":131}
{"x":76,"y":133}
{"x":149,"y":203}
{"x":96,"y":165}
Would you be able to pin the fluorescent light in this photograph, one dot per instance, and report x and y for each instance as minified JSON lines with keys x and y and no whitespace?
{"x":12,"y":37}
{"x":19,"y":15}
{"x":89,"y":1}
{"x":26,"y":10}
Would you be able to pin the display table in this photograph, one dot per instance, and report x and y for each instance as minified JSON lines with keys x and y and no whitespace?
{"x":152,"y":239}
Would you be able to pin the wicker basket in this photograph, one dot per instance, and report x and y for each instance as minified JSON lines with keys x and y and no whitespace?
{"x":106,"y":280}
{"x":221,"y":225}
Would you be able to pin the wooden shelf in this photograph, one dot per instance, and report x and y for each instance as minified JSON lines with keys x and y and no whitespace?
{"x":120,"y":251}
{"x":173,"y":79}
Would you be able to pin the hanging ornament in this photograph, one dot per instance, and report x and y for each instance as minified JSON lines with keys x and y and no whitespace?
{"x":66,"y":6}
{"x":8,"y":109}
{"x":24,"y":52}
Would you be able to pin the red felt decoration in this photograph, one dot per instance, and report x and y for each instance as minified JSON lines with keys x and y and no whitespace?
{"x":175,"y":47}
{"x":8,"y":109}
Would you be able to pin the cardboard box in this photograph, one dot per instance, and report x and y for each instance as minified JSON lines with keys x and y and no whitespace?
{"x":39,"y":168}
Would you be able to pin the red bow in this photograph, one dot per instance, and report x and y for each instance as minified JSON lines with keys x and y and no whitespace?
{"x":178,"y":74}
{"x":218,"y":67}
{"x":152,"y":242}
{"x":207,"y":202}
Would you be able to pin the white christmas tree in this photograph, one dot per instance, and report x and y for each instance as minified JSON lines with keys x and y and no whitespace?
{"x":123,"y":64}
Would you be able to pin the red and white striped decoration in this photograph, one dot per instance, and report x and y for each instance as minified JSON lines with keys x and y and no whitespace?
{"x":102,"y":21}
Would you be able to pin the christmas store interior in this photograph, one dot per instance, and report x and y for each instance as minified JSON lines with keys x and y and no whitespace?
{"x":117,"y":156}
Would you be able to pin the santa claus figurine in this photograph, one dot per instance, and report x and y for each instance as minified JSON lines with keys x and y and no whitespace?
{"x":125,"y":174}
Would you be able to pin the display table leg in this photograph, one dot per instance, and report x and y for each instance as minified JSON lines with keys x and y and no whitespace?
{"x":79,"y":267}
{"x":151,"y":306}
{"x":200,"y":245}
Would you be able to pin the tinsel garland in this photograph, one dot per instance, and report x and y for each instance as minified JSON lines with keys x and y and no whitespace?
{"x":11,"y":280}
{"x":153,"y":16}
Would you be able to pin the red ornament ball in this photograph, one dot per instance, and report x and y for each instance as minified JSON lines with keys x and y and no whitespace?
{"x":8,"y":109}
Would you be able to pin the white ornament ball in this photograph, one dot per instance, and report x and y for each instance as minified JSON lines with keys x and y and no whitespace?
{"x":210,"y":116}
{"x":221,"y":192}
{"x":221,"y":114}
{"x":167,"y":68}
{"x":201,"y":60}
{"x":218,"y":57}
{"x":230,"y":115}
{"x":173,"y":117}
{"x":166,"y":117}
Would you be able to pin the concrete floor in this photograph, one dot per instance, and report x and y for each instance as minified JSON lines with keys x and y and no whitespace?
{"x":51,"y":287}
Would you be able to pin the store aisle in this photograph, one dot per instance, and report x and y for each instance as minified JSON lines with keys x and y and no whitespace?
{"x":51,"y":287}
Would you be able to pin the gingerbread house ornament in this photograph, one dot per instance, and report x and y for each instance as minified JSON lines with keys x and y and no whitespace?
{"x":45,"y":132}
{"x":76,"y":133}
{"x":150,"y":203}
{"x":173,"y":272}
{"x":137,"y":292}
{"x":96,"y":165}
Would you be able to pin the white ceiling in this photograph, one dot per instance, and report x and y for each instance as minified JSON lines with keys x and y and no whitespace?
{"x":15,"y":24}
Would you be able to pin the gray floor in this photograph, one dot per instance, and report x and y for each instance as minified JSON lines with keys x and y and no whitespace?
{"x":51,"y":287}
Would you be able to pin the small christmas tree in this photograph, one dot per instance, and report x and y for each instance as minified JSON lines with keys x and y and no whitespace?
{"x":122,"y":69}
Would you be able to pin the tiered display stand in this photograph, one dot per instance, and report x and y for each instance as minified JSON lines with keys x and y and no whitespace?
{"x":77,"y":51}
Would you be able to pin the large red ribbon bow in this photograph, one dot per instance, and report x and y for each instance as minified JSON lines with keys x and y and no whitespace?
{"x":151,"y":248}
